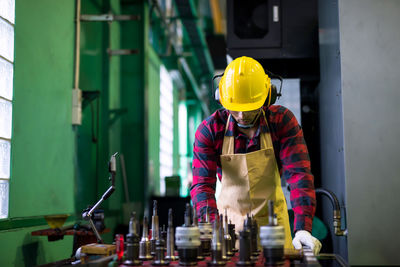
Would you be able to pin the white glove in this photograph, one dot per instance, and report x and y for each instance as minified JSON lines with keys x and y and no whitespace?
{"x":303,"y":237}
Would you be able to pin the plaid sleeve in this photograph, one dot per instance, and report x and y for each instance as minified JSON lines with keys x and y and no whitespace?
{"x":204,"y":168}
{"x":296,"y":169}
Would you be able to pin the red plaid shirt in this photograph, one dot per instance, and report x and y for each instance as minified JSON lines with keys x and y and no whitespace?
{"x":290,"y":152}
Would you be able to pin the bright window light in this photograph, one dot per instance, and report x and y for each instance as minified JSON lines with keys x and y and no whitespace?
{"x":7,"y":17}
{"x":6,"y":79}
{"x":166,"y":127}
{"x":7,"y":40}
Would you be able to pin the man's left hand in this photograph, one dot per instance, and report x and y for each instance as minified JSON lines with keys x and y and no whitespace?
{"x":303,"y":237}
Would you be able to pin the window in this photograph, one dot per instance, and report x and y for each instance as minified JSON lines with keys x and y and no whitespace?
{"x":166,"y":127}
{"x":7,"y":16}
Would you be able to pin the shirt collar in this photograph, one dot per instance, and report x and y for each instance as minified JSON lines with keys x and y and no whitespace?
{"x":232,"y":130}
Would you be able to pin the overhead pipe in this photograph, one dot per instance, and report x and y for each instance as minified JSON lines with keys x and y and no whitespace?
{"x":337,"y":224}
{"x":216,"y":16}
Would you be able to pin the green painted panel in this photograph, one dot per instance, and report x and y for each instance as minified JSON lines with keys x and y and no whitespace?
{"x":89,"y":135}
{"x":133,"y":138}
{"x":23,"y":249}
{"x":153,"y":117}
{"x":42,"y":146}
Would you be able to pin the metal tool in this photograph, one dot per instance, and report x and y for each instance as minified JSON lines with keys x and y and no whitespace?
{"x":254,"y":238}
{"x":227,"y":237}
{"x":200,"y":255}
{"x":232,"y":232}
{"x":248,"y":225}
{"x":132,"y":243}
{"x":244,"y":248}
{"x":206,"y":233}
{"x":216,"y":249}
{"x":170,"y":239}
{"x":163,"y":233}
{"x":160,"y":252}
{"x":272,"y":240}
{"x":144,"y":246}
{"x":155,"y":228}
{"x":187,"y":240}
{"x":222,"y":238}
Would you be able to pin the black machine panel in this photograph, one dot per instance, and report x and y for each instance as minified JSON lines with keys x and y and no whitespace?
{"x":272,"y":29}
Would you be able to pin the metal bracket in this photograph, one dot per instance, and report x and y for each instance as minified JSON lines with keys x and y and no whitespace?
{"x":122,"y":52}
{"x":109,"y":17}
{"x":89,"y":96}
{"x":116,"y":114}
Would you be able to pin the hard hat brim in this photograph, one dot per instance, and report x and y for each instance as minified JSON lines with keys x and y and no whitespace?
{"x":244,"y":106}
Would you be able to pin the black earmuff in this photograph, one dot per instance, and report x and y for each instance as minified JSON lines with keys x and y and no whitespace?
{"x":274,"y":95}
{"x":271,"y":98}
{"x":216,"y":92}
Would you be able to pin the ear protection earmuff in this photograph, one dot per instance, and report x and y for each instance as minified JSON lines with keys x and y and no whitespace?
{"x":273,"y":94}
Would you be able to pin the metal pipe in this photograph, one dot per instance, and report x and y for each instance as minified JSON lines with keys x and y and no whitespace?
{"x":216,"y":16}
{"x":77,"y":43}
{"x":337,"y":224}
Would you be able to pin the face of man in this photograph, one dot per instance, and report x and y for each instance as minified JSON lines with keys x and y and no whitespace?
{"x":245,"y":117}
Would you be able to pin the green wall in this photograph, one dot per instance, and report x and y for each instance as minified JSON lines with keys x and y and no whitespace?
{"x":42,"y":166}
{"x":60,"y":169}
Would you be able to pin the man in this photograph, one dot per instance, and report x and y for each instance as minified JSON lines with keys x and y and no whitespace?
{"x":249,"y":144}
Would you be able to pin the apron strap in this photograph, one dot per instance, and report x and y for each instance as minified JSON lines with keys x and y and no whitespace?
{"x":265,"y":138}
{"x":228,"y":144}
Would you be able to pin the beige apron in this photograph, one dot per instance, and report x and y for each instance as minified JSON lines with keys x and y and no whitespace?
{"x":248,"y":181}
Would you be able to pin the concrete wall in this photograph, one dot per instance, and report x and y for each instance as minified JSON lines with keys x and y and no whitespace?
{"x":331,"y":120}
{"x":370,"y":60}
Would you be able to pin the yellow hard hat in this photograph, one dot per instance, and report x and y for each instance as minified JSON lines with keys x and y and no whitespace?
{"x":244,"y":85}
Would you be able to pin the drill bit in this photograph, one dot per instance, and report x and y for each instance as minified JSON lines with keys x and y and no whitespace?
{"x":227,"y":237}
{"x":216,"y":249}
{"x":144,"y":246}
{"x":170,"y":239}
{"x":133,"y":224}
{"x":195,"y":218}
{"x":271,"y":213}
{"x":207,"y":214}
{"x":222,"y":238}
{"x":155,"y":229}
{"x":187,"y":215}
